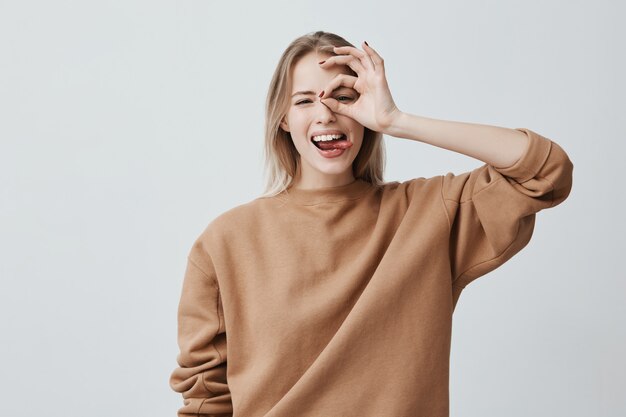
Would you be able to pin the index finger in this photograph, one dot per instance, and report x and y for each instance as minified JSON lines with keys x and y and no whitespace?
{"x":341,"y":80}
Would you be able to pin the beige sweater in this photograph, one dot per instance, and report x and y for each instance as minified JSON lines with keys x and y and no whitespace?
{"x":338,"y":302}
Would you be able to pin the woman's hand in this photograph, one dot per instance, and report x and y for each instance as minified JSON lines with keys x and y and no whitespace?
{"x":375,"y":108}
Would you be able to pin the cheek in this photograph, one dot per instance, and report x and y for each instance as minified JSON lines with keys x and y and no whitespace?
{"x":299,"y":126}
{"x":295,"y":120}
{"x":357,"y":133}
{"x":299,"y":118}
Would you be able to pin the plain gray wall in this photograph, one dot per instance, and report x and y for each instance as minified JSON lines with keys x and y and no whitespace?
{"x":126,"y":126}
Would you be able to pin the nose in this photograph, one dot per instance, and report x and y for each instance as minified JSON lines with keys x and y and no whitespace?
{"x":323,"y":113}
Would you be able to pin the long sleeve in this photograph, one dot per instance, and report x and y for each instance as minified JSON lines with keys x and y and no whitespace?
{"x":201,"y":375}
{"x":491,"y":211}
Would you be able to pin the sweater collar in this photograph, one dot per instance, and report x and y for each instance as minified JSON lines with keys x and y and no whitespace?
{"x":333,"y":194}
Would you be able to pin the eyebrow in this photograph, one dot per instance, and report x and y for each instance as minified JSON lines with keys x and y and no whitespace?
{"x":306,"y":93}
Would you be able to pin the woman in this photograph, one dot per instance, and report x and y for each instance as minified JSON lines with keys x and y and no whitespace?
{"x":335,"y":290}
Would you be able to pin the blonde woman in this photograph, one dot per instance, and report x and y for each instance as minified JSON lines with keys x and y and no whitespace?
{"x":332,"y":294}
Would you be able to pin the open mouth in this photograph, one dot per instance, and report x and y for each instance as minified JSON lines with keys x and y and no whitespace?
{"x":331,"y":144}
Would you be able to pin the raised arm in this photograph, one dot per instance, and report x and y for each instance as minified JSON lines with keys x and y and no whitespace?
{"x":491,"y":209}
{"x":496,"y":146}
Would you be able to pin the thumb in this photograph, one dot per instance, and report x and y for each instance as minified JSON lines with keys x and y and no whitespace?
{"x":336,"y":106}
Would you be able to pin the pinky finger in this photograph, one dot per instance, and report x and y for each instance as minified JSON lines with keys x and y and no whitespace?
{"x":377,"y":59}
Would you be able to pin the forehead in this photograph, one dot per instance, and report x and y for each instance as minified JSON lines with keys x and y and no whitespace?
{"x":307,"y":73}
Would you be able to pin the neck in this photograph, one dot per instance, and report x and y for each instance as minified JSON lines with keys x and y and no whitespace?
{"x":310,"y":182}
{"x":329,"y":194}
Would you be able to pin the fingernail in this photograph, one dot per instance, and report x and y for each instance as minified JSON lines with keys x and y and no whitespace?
{"x":366,"y":43}
{"x":321,"y":94}
{"x":321,"y":62}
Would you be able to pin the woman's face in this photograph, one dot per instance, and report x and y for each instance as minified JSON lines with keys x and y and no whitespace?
{"x":307,"y":116}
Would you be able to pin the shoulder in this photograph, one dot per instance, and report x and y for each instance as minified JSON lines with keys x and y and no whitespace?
{"x":235,"y":218}
{"x":222,"y":229}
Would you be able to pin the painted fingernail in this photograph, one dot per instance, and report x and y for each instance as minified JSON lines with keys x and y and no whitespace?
{"x":321,"y":62}
{"x":322,"y":93}
{"x":366,"y":43}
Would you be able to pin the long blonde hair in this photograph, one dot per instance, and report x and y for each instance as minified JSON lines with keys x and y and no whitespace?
{"x":280,"y":154}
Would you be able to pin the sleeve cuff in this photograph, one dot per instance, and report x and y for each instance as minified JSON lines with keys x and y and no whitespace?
{"x":531,"y":161}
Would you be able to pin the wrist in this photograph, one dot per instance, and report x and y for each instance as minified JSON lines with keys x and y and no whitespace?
{"x":394,"y":127}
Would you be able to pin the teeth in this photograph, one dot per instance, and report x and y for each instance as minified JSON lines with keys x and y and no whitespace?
{"x":326,"y":137}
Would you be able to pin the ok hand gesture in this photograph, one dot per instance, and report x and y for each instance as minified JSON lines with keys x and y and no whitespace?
{"x":375,"y":108}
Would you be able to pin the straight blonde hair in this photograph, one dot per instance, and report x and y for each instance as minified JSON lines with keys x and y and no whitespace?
{"x":280,"y":154}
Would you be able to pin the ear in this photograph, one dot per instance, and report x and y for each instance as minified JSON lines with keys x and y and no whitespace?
{"x":284,"y":125}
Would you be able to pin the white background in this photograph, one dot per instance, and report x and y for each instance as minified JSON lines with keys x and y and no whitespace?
{"x":126,"y":126}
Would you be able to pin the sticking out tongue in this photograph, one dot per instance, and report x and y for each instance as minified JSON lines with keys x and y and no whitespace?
{"x":334,"y":144}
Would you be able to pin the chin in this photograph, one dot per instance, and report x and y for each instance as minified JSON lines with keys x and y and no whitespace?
{"x":337,"y":171}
